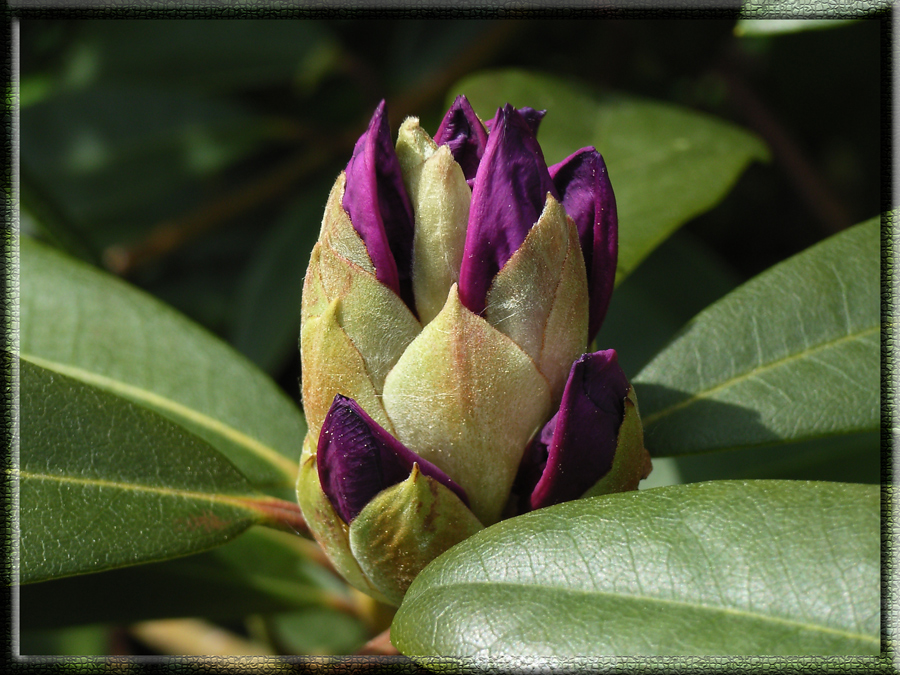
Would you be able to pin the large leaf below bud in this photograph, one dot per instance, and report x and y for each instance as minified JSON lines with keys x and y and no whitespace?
{"x":540,"y":297}
{"x":406,"y":527}
{"x":467,"y":398}
{"x":332,"y":533}
{"x":440,"y":197}
{"x":333,"y":365}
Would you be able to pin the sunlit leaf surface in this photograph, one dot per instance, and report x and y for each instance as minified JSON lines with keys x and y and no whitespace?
{"x":765,"y":567}
{"x":105,"y":483}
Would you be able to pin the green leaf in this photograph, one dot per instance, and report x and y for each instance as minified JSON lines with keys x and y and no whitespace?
{"x":667,"y":164}
{"x":793,"y":354}
{"x":117,"y":159}
{"x":758,"y":27}
{"x":105,"y":483}
{"x":262,"y":571}
{"x":83,"y":323}
{"x":853,"y":458}
{"x":765,"y":567}
{"x":676,"y":281}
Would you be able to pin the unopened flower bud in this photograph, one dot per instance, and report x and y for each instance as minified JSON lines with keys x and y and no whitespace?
{"x":447,"y":309}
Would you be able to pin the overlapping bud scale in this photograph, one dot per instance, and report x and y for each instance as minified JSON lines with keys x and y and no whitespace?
{"x":448,"y":305}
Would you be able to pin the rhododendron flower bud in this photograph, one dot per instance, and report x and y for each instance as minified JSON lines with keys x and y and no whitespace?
{"x":447,"y":311}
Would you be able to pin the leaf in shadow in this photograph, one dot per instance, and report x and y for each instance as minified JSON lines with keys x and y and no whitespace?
{"x":702,"y":427}
{"x":799,"y":344}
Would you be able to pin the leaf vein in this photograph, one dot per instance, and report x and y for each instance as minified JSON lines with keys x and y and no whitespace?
{"x":754,"y":372}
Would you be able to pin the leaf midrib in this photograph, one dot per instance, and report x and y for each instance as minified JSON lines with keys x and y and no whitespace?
{"x":221,"y":498}
{"x":668,"y":601}
{"x":256,"y":447}
{"x":705,"y":393}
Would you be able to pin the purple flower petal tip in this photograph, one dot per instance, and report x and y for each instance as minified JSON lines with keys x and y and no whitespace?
{"x":377,"y":203}
{"x":357,"y":459}
{"x":508,"y":196}
{"x":587,"y":196}
{"x":531,"y":116}
{"x":577,"y":446}
{"x":464,"y":133}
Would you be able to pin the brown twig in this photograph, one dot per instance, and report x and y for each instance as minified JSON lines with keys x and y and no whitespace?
{"x":278,"y":513}
{"x":175,"y":232}
{"x":171,"y":234}
{"x":380,"y":645}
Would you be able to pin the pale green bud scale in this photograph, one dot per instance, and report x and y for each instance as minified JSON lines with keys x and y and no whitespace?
{"x":540,"y":296}
{"x":404,"y":528}
{"x":440,"y":199}
{"x":332,"y":365}
{"x":338,"y":233}
{"x":377,"y":321}
{"x":467,"y":398}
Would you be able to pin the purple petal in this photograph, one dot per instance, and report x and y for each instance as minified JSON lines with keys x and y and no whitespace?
{"x":510,"y":190}
{"x":532,"y":117}
{"x":378,"y":205}
{"x":465,"y":134}
{"x":357,"y":459}
{"x":587,"y":196}
{"x":578,"y":445}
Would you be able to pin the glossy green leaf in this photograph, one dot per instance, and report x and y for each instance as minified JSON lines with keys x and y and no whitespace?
{"x":757,"y":567}
{"x":673,"y":284}
{"x":262,"y":571}
{"x":761,"y":27}
{"x":793,"y":354}
{"x":666,"y":164}
{"x":85,"y":324}
{"x":105,"y":483}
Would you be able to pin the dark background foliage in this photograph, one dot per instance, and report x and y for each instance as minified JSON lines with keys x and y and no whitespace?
{"x":193,"y":157}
